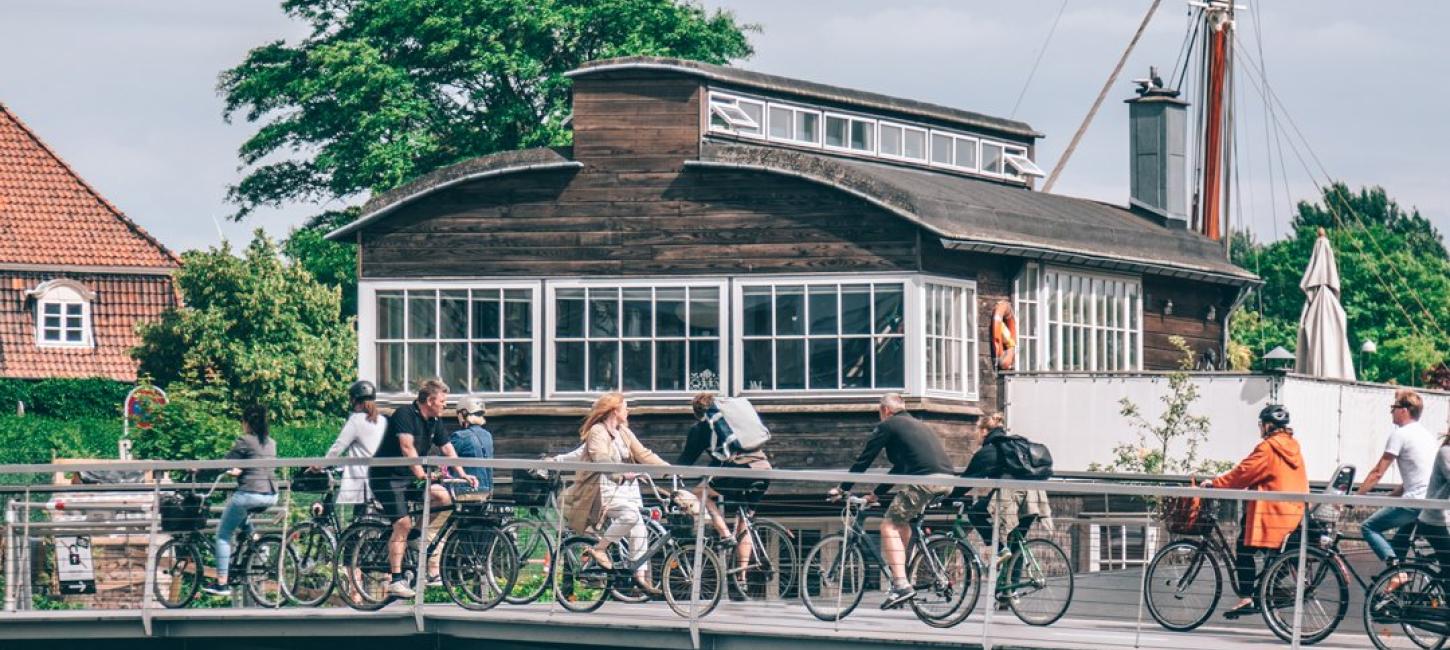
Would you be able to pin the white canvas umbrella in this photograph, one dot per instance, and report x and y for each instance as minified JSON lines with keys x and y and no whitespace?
{"x":1323,"y":337}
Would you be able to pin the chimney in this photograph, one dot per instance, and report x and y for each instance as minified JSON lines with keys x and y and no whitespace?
{"x":1157,"y":144}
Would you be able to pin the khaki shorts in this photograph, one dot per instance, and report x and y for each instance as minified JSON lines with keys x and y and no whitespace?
{"x":911,"y":500}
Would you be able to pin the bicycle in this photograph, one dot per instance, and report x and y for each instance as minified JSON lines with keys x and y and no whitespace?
{"x":314,"y":543}
{"x":533,"y":536}
{"x":1419,"y":608}
{"x":836,"y":569}
{"x":180,"y":564}
{"x":582,"y":585}
{"x":478,"y":564}
{"x":772,"y":561}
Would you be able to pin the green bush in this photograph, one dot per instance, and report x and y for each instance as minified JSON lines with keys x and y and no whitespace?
{"x":64,"y":397}
{"x":38,"y":439}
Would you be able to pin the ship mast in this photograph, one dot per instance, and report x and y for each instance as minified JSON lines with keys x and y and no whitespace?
{"x":1211,"y":198}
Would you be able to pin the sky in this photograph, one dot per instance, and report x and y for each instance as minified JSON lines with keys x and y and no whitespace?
{"x":124,"y":90}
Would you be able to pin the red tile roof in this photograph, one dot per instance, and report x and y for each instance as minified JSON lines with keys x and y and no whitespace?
{"x":121,"y":301}
{"x":49,"y":216}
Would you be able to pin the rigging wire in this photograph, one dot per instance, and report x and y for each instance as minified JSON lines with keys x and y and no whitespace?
{"x":1040,"y":52}
{"x":1185,"y":52}
{"x":1268,"y":122}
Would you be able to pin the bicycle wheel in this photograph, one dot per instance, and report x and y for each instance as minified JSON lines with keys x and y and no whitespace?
{"x":945,"y":581}
{"x":1183,"y":585}
{"x":1414,"y":616}
{"x":1041,"y":582}
{"x":313,"y":573}
{"x":479,"y":565}
{"x":262,"y":566}
{"x":771,"y":567}
{"x":1326,"y":595}
{"x":535,"y":545}
{"x":363,"y":562}
{"x":834,"y":578}
{"x":580,"y":585}
{"x":678,"y":581}
{"x":176,"y":576}
{"x":629,"y":591}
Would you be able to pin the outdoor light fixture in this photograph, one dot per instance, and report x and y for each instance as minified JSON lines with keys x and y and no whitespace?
{"x":1212,"y":314}
{"x":1168,"y":308}
{"x":1369,"y":347}
{"x":1278,"y":359}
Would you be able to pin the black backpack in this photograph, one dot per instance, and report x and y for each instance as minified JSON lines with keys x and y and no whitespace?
{"x":1024,"y":459}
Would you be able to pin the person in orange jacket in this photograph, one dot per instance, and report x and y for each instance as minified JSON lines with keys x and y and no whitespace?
{"x":1275,"y":465}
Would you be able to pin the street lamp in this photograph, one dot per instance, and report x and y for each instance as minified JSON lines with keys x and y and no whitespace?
{"x":1277,"y":363}
{"x":1368,"y":347}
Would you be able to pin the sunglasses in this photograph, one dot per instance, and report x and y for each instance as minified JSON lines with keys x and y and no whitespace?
{"x":1398,"y":405}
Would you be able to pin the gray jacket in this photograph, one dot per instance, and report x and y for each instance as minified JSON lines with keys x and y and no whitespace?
{"x":1439,"y":489}
{"x":255,"y":479}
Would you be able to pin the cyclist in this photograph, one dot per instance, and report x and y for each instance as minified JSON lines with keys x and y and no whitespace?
{"x":597,"y":496}
{"x":913,"y":449}
{"x":1412,"y":448}
{"x":1017,"y":509}
{"x":410,"y":426}
{"x":471,"y":440}
{"x":1275,"y":465}
{"x":359,"y":438}
{"x":1433,"y":522}
{"x":743,"y":491}
{"x":256,"y":488}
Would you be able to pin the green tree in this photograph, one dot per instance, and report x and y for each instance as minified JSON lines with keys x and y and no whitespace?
{"x":331,"y":263}
{"x":1395,"y":279}
{"x":252,"y":330}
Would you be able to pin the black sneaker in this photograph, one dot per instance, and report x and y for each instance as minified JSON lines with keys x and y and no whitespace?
{"x":897,"y":596}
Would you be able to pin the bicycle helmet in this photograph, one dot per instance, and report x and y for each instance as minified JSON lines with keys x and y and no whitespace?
{"x":1276,"y":415}
{"x":362,"y":391}
{"x":471,"y":405}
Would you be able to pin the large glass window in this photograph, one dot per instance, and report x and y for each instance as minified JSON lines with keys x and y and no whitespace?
{"x":1087,"y":323}
{"x":475,"y":340}
{"x":797,"y":125}
{"x":828,"y":336}
{"x":1028,"y":312}
{"x":850,"y":133}
{"x":636,"y":338}
{"x":63,"y":322}
{"x":951,"y":339}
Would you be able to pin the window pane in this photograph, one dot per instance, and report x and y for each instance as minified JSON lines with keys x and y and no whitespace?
{"x":670,"y":312}
{"x":569,"y":366}
{"x":569,"y":313}
{"x":889,"y":309}
{"x":824,"y":371}
{"x":390,"y":367}
{"x":51,"y":334}
{"x":603,"y":365}
{"x":807,"y":127}
{"x":454,"y":371}
{"x":390,"y":314}
{"x":518,"y":370}
{"x":486,"y":315}
{"x":856,"y":363}
{"x":756,"y":309}
{"x":704,"y":318}
{"x":52,"y":308}
{"x":637,"y":365}
{"x":485,"y":367}
{"x":52,"y":322}
{"x":422,"y":314}
{"x":518,"y":317}
{"x":941,"y":149}
{"x":704,"y":365}
{"x":856,"y":309}
{"x":670,"y":365}
{"x":966,"y":153}
{"x":756,"y":111}
{"x":823,"y":310}
{"x":73,"y":336}
{"x":790,"y":310}
{"x":790,"y":364}
{"x":780,"y":122}
{"x":863,"y":135}
{"x":836,"y":128}
{"x":73,"y":309}
{"x":603,"y":312}
{"x":991,"y":158}
{"x":638,"y":320}
{"x":453,"y":319}
{"x":890,"y":362}
{"x":915,"y":145}
{"x":756,"y":361}
{"x":422,"y":362}
{"x":890,"y":140}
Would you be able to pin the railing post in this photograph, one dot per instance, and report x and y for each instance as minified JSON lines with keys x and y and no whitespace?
{"x":282,"y":589}
{"x":848,"y":522}
{"x":1148,"y":552}
{"x":995,"y":505}
{"x":148,"y":584}
{"x":695,"y":577}
{"x":11,"y":561}
{"x":1299,"y":577}
{"x":555,"y":562}
{"x":25,"y":595}
{"x":420,"y":568}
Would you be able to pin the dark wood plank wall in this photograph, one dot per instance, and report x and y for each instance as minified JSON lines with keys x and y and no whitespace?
{"x":1189,"y":320}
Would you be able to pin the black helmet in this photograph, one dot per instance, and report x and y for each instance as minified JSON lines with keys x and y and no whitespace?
{"x":362,"y":391}
{"x":1276,"y":415}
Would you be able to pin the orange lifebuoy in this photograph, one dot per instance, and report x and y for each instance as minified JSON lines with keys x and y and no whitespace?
{"x":1004,"y":335}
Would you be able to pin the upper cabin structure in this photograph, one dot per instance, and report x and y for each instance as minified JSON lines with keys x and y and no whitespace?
{"x":808,"y":246}
{"x":76,"y":275}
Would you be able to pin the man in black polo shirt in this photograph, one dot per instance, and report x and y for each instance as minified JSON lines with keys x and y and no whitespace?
{"x":410,"y":427}
{"x":913,"y":449}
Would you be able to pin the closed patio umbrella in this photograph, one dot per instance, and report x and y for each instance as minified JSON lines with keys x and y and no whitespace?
{"x":1323,"y":336}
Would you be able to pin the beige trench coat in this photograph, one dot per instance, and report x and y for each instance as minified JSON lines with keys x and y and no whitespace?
{"x":582,"y":507}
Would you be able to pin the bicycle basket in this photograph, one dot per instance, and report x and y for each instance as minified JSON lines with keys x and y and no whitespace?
{"x":1187,"y":515}
{"x":531,"y":491}
{"x":183,"y":513}
{"x":312,"y":482}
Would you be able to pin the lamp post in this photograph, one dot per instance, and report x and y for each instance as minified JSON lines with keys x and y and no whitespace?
{"x":1277,"y":363}
{"x":1368,"y":347}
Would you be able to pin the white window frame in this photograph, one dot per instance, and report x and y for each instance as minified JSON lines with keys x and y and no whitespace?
{"x":1057,"y":345}
{"x":1030,"y":326}
{"x":368,"y":330}
{"x":726,"y":99}
{"x":551,"y":286}
{"x":912,"y":342}
{"x":970,"y":357}
{"x":850,"y":119}
{"x":795,"y":112}
{"x":955,"y":164}
{"x":63,"y":294}
{"x":982,"y":145}
{"x":1017,"y":165}
{"x":905,"y":128}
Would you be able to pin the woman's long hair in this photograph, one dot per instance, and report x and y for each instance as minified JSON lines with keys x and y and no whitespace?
{"x":603,"y":407}
{"x":366,"y":406}
{"x":255,"y":417}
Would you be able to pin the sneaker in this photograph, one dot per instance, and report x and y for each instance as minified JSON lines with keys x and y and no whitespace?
{"x":897,"y":596}
{"x":400,"y":589}
{"x":215,"y":589}
{"x":435,"y":580}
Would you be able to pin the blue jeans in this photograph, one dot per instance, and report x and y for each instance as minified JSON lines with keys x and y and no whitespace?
{"x":1386,"y":519}
{"x":232,"y":518}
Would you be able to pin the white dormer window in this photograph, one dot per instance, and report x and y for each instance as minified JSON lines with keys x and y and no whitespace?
{"x":62,"y":314}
